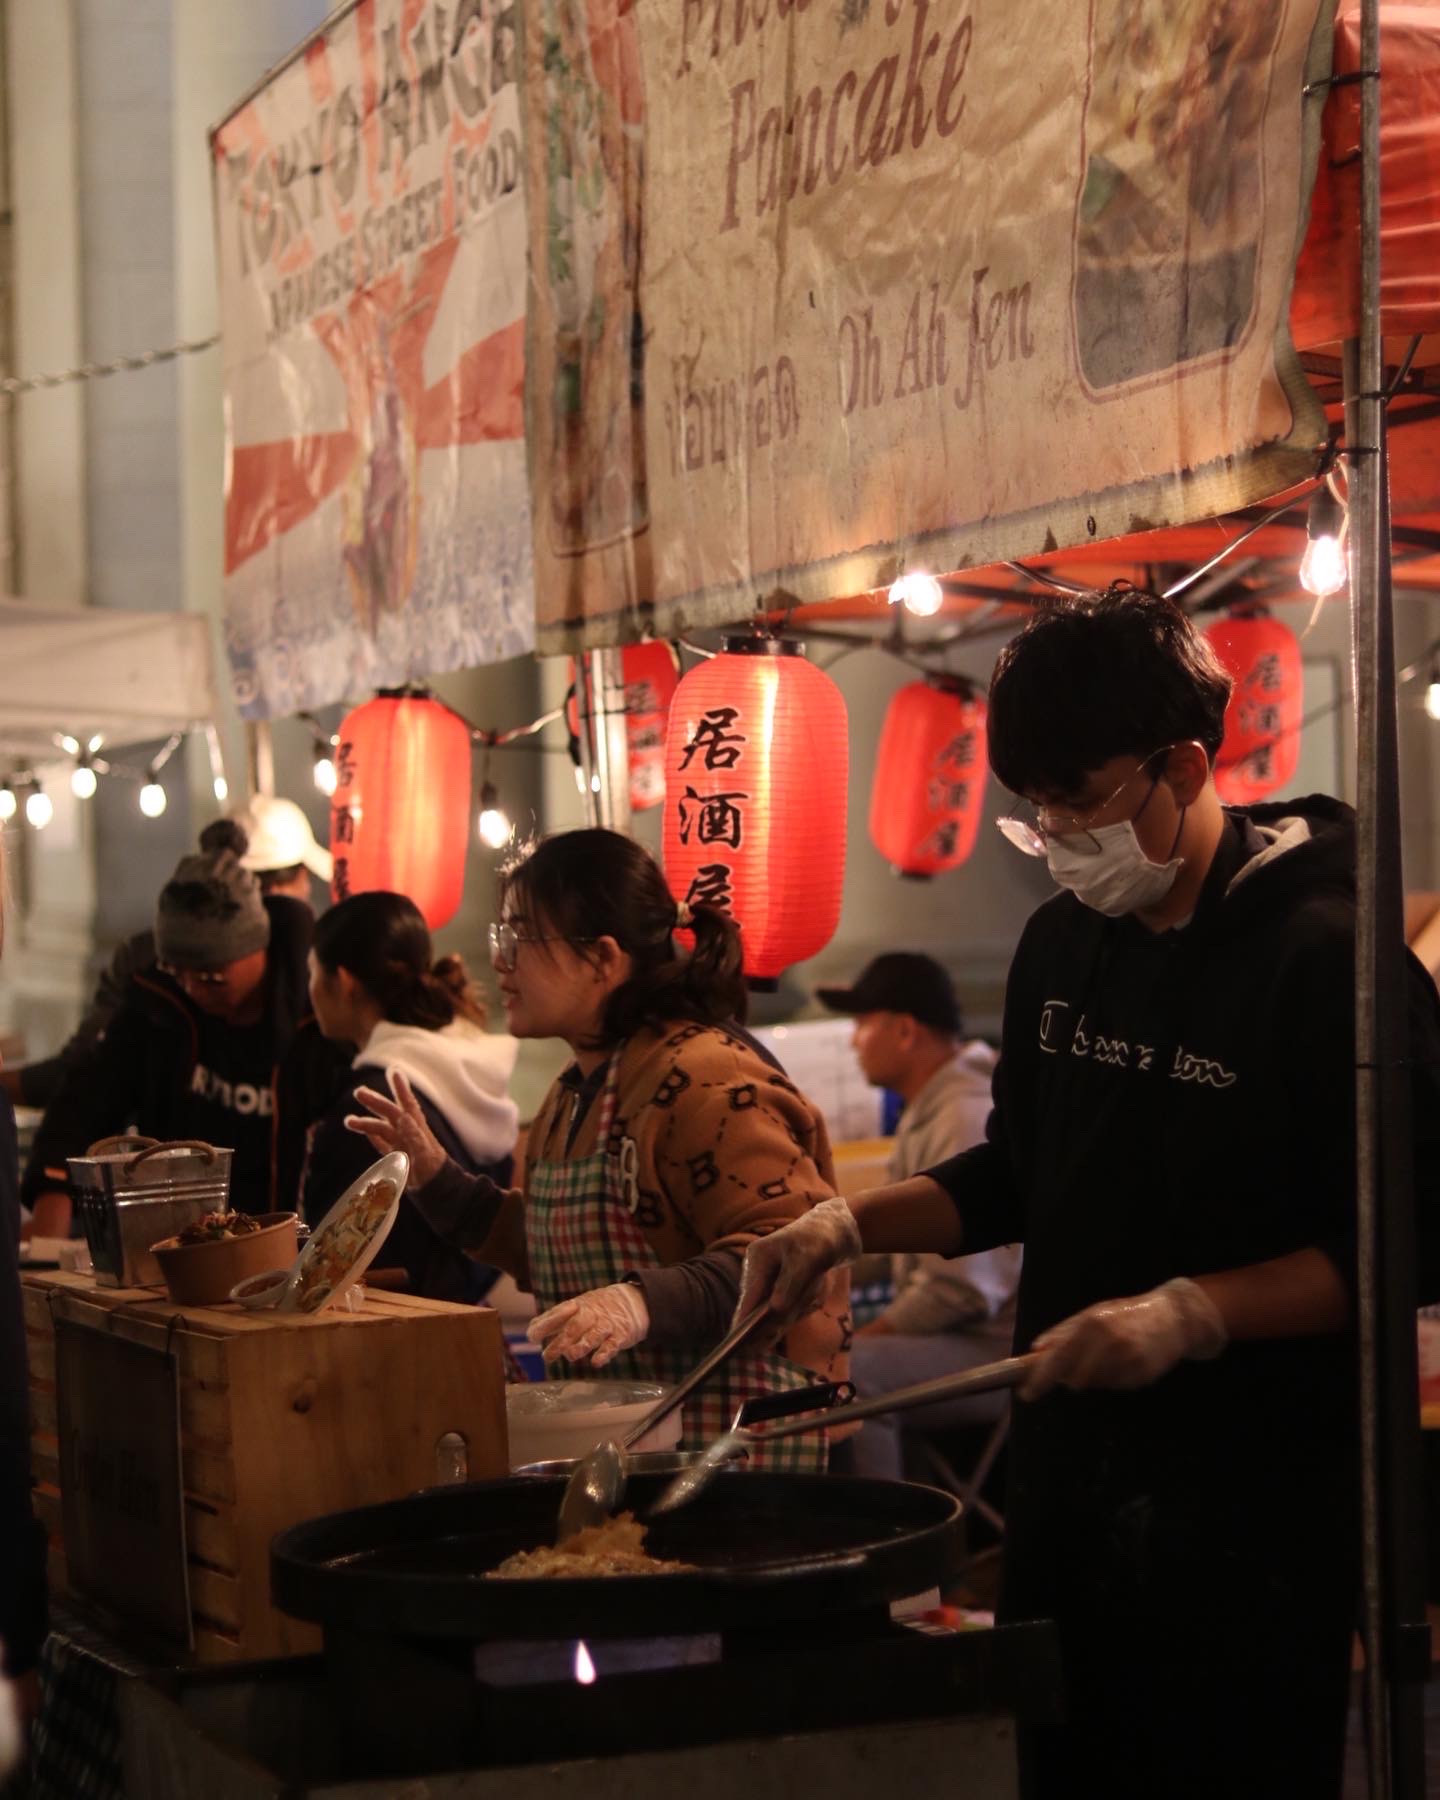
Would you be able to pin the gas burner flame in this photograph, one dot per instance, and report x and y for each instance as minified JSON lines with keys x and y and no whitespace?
{"x":584,"y":1667}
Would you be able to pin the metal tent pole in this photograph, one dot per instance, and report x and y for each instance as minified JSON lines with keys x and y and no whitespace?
{"x":1396,"y":1635}
{"x":604,"y":753}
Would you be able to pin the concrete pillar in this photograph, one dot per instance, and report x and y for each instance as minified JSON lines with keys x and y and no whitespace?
{"x":51,"y":883}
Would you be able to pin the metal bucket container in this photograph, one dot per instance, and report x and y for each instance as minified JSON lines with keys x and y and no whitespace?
{"x":127,"y":1199}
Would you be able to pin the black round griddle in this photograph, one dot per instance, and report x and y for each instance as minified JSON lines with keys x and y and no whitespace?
{"x":768,"y":1548}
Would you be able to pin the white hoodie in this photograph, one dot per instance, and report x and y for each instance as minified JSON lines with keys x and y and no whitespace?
{"x":460,"y":1069}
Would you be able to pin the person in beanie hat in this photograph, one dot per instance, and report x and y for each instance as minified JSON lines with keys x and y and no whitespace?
{"x":195,"y":1044}
{"x":212,"y":932}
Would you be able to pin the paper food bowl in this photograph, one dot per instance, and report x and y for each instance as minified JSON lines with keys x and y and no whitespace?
{"x":554,"y":1420}
{"x":203,"y":1274}
{"x":340,"y":1247}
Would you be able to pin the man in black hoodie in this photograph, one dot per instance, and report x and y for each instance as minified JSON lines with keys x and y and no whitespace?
{"x":196,"y":1042}
{"x":1173,"y":1140}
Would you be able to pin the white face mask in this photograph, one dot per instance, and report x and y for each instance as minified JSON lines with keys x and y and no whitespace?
{"x":1118,"y":878}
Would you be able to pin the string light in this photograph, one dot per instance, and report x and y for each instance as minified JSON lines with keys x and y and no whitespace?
{"x":324,"y":770}
{"x":493,"y":824}
{"x":1432,"y":692}
{"x":495,"y":827}
{"x":919,"y":593}
{"x":217,"y":765}
{"x":1323,"y":568}
{"x":83,"y":777}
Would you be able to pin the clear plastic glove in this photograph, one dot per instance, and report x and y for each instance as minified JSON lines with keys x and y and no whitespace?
{"x":787,"y":1268}
{"x":399,"y":1124}
{"x":596,"y":1326}
{"x":1128,"y":1343}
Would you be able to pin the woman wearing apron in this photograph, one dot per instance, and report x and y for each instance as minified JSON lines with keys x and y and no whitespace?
{"x":668,"y":1145}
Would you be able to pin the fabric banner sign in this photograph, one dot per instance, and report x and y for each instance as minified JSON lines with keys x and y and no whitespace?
{"x":822,"y":289}
{"x":370,"y":216}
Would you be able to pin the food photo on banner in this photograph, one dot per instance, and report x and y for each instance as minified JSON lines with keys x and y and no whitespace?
{"x":370,"y":218}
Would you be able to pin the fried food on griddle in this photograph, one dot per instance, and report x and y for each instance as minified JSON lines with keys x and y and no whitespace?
{"x":615,"y":1548}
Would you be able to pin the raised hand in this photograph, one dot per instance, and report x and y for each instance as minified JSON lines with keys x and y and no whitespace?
{"x":399,"y":1124}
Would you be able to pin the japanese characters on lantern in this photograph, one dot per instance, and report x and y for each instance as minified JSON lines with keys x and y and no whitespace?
{"x":400,"y":815}
{"x":1261,"y":749}
{"x":929,"y":778}
{"x":757,"y":765}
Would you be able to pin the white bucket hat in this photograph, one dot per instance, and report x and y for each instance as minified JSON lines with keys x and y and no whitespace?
{"x":280,"y":837}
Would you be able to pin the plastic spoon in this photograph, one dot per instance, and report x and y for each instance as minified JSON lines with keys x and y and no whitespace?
{"x":730,"y":1444}
{"x":598,"y":1480}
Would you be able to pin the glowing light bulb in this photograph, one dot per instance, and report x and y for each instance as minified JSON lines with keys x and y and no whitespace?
{"x":918,"y":593}
{"x":1323,"y":568}
{"x":495,"y":827}
{"x":152,"y":799}
{"x":324,"y":771}
{"x":83,"y":783}
{"x":594,"y":784}
{"x":584,"y":1664}
{"x":1432,"y":696}
{"x":8,"y":803}
{"x":39,"y":809}
{"x":222,"y":789}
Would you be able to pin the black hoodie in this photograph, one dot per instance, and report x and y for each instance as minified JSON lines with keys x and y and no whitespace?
{"x":173,"y":1072}
{"x":1180,"y":1103}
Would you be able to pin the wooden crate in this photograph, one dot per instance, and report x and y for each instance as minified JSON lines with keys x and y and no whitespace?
{"x":282,"y":1418}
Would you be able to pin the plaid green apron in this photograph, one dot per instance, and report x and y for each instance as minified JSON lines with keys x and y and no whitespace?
{"x":581,"y":1233}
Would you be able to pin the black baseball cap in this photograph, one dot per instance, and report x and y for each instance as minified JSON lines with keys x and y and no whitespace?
{"x":901,"y":981}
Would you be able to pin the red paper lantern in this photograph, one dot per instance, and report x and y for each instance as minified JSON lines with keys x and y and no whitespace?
{"x":650,"y":675}
{"x":400,"y":816}
{"x":1261,"y":749}
{"x":929,"y":778}
{"x":757,"y":768}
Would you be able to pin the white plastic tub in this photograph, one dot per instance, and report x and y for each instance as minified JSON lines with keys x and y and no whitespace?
{"x":555,"y":1419}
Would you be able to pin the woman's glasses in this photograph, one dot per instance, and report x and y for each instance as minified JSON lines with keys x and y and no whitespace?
{"x":505,"y":942}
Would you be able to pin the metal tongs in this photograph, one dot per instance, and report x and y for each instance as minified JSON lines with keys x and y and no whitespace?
{"x":689,"y":1482}
{"x":597,"y":1481}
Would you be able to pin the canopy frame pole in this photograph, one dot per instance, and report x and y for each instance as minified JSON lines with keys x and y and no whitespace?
{"x":259,"y":757}
{"x":604,"y":750}
{"x":1396,"y":1634}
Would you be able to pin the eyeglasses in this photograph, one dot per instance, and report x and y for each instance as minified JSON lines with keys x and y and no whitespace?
{"x":1031,"y":835}
{"x":201,"y":978}
{"x":505,"y":942}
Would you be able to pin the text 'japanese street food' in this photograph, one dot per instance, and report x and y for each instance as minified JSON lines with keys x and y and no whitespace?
{"x":615,"y":1548}
{"x":333,"y":1250}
